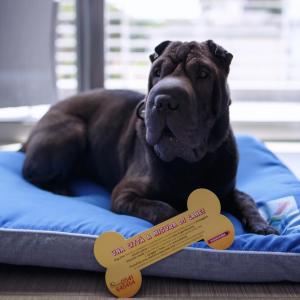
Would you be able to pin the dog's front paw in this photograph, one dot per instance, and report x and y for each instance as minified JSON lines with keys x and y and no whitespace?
{"x":160,"y":211}
{"x":263,"y":229}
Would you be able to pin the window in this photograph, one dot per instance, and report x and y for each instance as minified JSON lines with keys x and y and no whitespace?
{"x":263,"y":35}
{"x":65,"y":49}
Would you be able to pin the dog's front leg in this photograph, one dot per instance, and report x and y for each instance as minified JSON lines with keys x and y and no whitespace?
{"x":130,"y":197}
{"x":244,"y":208}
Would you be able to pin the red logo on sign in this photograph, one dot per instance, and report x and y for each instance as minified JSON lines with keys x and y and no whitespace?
{"x":218,"y":237}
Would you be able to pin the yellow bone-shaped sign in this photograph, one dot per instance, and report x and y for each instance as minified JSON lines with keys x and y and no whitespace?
{"x":124,"y":258}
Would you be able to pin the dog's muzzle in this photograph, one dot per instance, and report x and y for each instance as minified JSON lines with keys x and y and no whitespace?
{"x":167,"y":95}
{"x":170,"y":119}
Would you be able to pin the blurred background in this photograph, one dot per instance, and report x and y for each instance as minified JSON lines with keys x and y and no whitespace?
{"x":52,"y":49}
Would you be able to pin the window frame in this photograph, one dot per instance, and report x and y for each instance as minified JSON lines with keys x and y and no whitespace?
{"x":90,"y":51}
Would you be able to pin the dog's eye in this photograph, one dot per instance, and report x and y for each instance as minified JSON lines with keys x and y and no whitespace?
{"x":203,"y":74}
{"x":156,"y":72}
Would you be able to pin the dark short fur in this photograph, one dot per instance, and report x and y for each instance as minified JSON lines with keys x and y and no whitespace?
{"x":150,"y":151}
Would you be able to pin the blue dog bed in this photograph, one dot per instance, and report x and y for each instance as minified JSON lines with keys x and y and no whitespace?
{"x":44,"y":229}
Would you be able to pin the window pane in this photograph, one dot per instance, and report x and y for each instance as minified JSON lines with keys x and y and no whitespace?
{"x":65,"y":49}
{"x":263,"y":35}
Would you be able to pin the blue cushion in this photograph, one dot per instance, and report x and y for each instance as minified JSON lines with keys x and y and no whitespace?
{"x":58,"y":221}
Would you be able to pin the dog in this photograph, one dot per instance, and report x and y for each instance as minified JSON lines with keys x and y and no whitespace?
{"x":149,"y":151}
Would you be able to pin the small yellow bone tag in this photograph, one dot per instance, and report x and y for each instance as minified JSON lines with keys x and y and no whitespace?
{"x":125,"y":258}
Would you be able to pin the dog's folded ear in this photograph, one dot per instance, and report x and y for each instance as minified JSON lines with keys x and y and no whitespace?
{"x":159,"y":49}
{"x":221,"y":55}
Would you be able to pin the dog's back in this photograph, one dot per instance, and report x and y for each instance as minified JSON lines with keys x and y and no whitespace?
{"x":79,"y":132}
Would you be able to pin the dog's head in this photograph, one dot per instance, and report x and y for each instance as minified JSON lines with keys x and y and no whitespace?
{"x":187,"y":106}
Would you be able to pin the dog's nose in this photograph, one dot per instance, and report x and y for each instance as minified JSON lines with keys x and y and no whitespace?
{"x":165,"y":102}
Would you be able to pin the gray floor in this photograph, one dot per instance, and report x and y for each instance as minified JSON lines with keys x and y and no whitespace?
{"x":41,"y":283}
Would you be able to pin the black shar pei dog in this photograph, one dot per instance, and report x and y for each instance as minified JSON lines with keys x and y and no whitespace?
{"x":150,"y":151}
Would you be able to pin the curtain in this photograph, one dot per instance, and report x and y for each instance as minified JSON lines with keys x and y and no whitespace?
{"x":27,"y":74}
